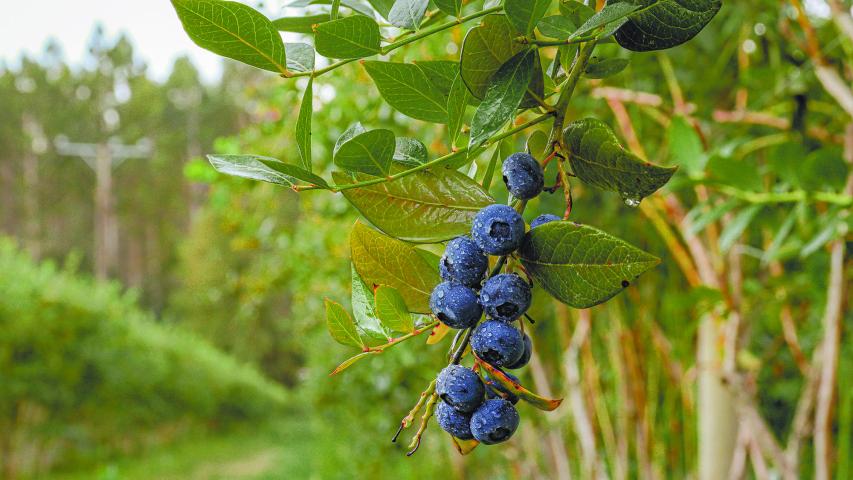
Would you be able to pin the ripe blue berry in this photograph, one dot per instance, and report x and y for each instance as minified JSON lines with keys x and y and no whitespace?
{"x":543,"y":219}
{"x":523,"y":176}
{"x":498,"y":229}
{"x":455,"y":304}
{"x":505,"y":297}
{"x":497,"y":343}
{"x":525,"y":357}
{"x":460,"y":388}
{"x":494,"y":422}
{"x":453,"y":421}
{"x":496,"y":390}
{"x":464,"y":262}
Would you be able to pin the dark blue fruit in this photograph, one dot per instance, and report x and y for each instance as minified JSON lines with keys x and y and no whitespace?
{"x":498,"y":229}
{"x":505,"y":297}
{"x":496,"y":390}
{"x":525,"y":357}
{"x":494,"y":422}
{"x":464,"y":262}
{"x":497,"y":343}
{"x":455,"y":305}
{"x":523,"y":176}
{"x":453,"y":421}
{"x":543,"y":219}
{"x":460,"y":388}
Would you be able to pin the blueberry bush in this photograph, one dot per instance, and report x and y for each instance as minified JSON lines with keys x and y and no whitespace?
{"x":518,"y":68}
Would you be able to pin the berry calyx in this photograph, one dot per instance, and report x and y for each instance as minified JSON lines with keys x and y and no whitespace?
{"x":453,"y":421}
{"x":523,"y":176}
{"x":498,"y":229}
{"x":455,"y":305}
{"x":460,"y":388}
{"x":497,"y":343}
{"x":464,"y":262}
{"x":494,"y":422}
{"x":505,"y":297}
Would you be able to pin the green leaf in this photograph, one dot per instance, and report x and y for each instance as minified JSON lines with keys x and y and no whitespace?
{"x":406,"y":88}
{"x":662,"y":24}
{"x":612,"y":12}
{"x":503,"y":97}
{"x":300,"y":57}
{"x":735,"y":228}
{"x":233,"y":30}
{"x":366,"y":321}
{"x":741,"y":174}
{"x":340,"y":325}
{"x":500,"y":377}
{"x":485,"y":49}
{"x":382,"y":260}
{"x":537,"y":145}
{"x":303,"y":125}
{"x":410,"y":152}
{"x":351,"y":37}
{"x":299,"y":24}
{"x":525,"y":14}
{"x":490,"y":168}
{"x":424,"y":207}
{"x":579,"y":265}
{"x":369,"y":152}
{"x":685,"y":146}
{"x":265,"y":169}
{"x":599,"y":159}
{"x":383,"y":7}
{"x":450,"y":7}
{"x":557,"y":27}
{"x":457,"y":103}
{"x":576,"y":12}
{"x":605,"y":67}
{"x":351,"y":360}
{"x":392,"y":310}
{"x":355,"y":129}
{"x":440,"y":73}
{"x":407,"y":13}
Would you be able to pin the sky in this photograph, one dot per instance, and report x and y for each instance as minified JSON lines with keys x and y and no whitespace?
{"x":153,"y":27}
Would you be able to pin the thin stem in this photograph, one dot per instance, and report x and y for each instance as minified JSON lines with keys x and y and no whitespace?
{"x":399,"y":43}
{"x":457,"y":355}
{"x":416,"y":441}
{"x":395,"y":341}
{"x":556,"y":43}
{"x":408,"y":419}
{"x":433,"y":163}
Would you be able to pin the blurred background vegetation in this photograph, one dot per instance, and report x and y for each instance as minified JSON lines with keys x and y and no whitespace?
{"x":158,"y":320}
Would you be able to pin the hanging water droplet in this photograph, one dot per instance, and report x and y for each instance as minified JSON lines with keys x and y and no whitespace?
{"x":631,"y":200}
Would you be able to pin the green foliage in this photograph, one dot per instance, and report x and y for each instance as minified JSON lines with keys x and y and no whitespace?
{"x":661,"y":24}
{"x":100,"y":368}
{"x":506,"y":89}
{"x":407,"y":88}
{"x":351,"y":37}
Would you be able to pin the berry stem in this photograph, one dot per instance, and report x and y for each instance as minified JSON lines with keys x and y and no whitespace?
{"x":395,"y":341}
{"x":408,"y":419}
{"x":416,"y":440}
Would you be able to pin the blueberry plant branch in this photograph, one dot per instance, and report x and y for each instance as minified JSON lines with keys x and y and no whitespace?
{"x":432,"y":163}
{"x":399,"y":43}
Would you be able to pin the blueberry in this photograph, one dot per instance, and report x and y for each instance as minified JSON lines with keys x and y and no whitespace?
{"x":525,"y":357}
{"x":505,"y":297}
{"x":464,"y":262}
{"x":497,"y":343}
{"x":498,"y":229}
{"x":543,"y":219}
{"x":523,"y":176}
{"x":455,"y":304}
{"x":460,"y":388}
{"x":496,"y":390}
{"x":453,"y":421}
{"x":494,"y":422}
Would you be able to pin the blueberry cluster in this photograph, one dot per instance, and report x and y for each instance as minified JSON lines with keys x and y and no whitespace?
{"x":471,"y":407}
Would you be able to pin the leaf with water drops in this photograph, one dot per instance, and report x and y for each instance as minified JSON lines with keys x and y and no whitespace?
{"x":579,"y":265}
{"x":599,"y":159}
{"x":661,"y":24}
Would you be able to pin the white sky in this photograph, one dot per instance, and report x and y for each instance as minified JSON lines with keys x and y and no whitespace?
{"x":153,"y":27}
